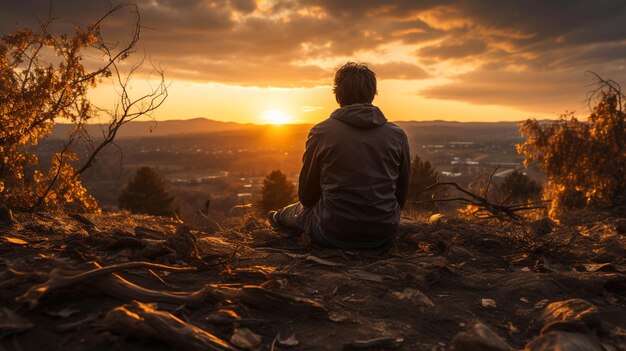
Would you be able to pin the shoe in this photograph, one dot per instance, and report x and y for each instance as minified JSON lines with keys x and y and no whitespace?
{"x":273,"y":218}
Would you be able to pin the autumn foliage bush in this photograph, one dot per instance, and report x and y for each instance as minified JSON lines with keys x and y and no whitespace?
{"x":585,"y":161}
{"x":44,"y":79}
{"x":35,"y":92}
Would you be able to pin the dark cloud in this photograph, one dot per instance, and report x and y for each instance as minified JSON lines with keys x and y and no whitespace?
{"x":245,"y":6}
{"x":399,"y":70}
{"x":253,"y":72}
{"x":376,"y":8}
{"x":537,"y":91}
{"x":447,"y":50}
{"x":281,"y":42}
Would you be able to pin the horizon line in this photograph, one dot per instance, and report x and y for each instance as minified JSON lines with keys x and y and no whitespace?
{"x":312,"y":123}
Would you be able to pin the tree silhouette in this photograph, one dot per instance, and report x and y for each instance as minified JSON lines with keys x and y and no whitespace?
{"x":277,"y":192}
{"x":146,"y":193}
{"x":585,"y":161}
{"x":422,"y":175}
{"x":518,"y":188}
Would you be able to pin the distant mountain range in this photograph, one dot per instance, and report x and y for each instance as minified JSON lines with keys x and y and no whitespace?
{"x":440,"y":130}
{"x":143,"y":129}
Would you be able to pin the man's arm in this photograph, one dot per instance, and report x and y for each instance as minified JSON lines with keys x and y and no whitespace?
{"x":309,"y":190}
{"x":402,"y":184}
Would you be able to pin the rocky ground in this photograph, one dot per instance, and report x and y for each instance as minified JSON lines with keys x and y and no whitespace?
{"x":122,"y":282}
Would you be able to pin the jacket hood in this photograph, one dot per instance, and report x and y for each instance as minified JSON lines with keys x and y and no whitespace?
{"x":366,"y":116}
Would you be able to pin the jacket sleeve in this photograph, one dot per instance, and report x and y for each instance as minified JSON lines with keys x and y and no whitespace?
{"x":402,"y":184}
{"x":309,"y":190}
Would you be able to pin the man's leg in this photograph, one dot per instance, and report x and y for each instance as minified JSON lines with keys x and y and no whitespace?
{"x":304,"y":219}
{"x":291,"y":217}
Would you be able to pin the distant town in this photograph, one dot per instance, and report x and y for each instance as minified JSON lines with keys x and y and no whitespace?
{"x":228,"y":165}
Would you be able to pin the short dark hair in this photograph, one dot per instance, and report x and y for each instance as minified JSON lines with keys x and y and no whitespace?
{"x":354,"y":83}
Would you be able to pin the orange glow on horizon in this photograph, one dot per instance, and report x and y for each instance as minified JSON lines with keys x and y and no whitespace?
{"x":276,"y":117}
{"x":278,"y":106}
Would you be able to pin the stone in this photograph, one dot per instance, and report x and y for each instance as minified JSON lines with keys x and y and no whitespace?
{"x":564,"y":341}
{"x":436,"y":218}
{"x":246,"y":339}
{"x":479,"y":338}
{"x":573,"y":311}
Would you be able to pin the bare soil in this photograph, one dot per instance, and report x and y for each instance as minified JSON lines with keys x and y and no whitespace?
{"x":432,"y":282}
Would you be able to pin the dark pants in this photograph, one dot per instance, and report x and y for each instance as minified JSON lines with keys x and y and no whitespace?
{"x":308,"y":220}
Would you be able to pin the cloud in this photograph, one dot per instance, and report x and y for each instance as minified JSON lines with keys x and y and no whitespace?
{"x":309,"y":108}
{"x":244,"y":6}
{"x":447,"y":50}
{"x":399,"y":70}
{"x":501,"y":47}
{"x":536,"y":91}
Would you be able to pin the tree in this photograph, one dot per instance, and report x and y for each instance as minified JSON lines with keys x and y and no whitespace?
{"x":146,"y":193}
{"x":422,"y":175}
{"x":585,"y":161}
{"x":44,"y":79}
{"x":518,"y":188}
{"x":277,"y":192}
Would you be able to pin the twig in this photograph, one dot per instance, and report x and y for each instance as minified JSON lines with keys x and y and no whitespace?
{"x":500,"y":212}
{"x":489,"y":181}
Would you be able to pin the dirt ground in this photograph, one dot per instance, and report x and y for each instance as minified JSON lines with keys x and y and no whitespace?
{"x":259,"y":289}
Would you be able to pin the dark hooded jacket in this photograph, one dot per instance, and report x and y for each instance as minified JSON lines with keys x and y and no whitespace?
{"x":357,"y":165}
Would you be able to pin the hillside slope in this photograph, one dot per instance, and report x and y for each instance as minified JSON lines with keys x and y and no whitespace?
{"x":259,"y":289}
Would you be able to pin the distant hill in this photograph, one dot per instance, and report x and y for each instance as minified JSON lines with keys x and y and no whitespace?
{"x":159,"y":128}
{"x":428,"y":132}
{"x":424,"y":131}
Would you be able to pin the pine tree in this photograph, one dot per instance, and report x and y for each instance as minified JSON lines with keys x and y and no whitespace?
{"x":422,"y":175}
{"x":146,"y":193}
{"x":277,"y":192}
{"x":518,"y":188}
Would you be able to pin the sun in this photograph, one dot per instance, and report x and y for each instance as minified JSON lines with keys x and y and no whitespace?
{"x":276,"y":117}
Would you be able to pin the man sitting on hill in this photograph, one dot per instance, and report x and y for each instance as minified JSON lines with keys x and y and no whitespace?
{"x":355,"y":171}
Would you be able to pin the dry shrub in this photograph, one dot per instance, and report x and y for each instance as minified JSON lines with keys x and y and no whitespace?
{"x":585,"y":161}
{"x":539,"y":237}
{"x":45,"y":80}
{"x":515,"y":192}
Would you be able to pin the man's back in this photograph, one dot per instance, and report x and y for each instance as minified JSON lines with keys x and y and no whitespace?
{"x":355,"y":171}
{"x":356,"y":164}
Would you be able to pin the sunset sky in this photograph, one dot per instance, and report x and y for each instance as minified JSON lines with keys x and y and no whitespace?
{"x":273,"y":60}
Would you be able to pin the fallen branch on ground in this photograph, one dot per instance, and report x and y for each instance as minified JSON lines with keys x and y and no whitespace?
{"x":106,"y":281}
{"x":59,"y":278}
{"x":486,"y":209}
{"x":144,"y":321}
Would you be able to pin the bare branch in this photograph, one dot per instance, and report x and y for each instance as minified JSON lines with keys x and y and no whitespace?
{"x":106,"y":49}
{"x":489,"y":181}
{"x":128,"y":110}
{"x":500,"y":212}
